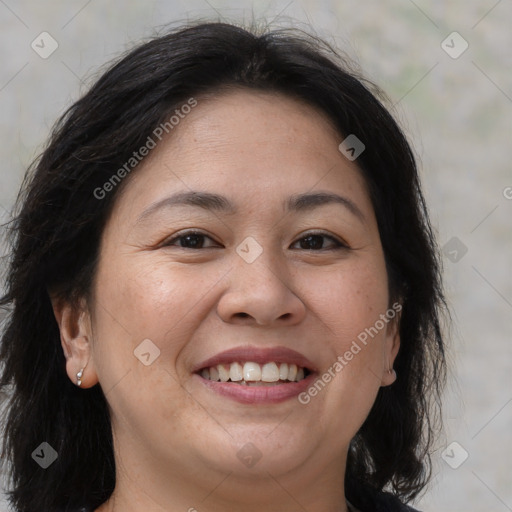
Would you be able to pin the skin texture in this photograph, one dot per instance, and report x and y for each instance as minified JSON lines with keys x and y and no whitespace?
{"x":176,"y":441}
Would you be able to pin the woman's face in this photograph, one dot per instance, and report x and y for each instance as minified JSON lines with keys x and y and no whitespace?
{"x":265,"y":278}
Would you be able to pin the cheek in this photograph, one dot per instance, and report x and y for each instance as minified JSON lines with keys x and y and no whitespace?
{"x":150,"y":297}
{"x":159,"y":302}
{"x":347,"y":300}
{"x":346,"y":303}
{"x":146,"y":298}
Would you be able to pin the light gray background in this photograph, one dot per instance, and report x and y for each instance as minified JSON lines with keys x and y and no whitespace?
{"x":457,"y":112}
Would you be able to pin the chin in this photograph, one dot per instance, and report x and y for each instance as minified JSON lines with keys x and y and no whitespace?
{"x":256,"y":452}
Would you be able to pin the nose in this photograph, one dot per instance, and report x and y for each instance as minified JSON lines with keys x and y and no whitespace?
{"x":262,"y":292}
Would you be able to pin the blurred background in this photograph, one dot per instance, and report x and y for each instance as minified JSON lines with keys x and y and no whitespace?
{"x":446,"y":67}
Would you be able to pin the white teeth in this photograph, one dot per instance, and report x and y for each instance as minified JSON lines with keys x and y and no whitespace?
{"x":236,"y":372}
{"x":270,"y":372}
{"x":252,"y":372}
{"x":214,"y":373}
{"x":223,"y":373}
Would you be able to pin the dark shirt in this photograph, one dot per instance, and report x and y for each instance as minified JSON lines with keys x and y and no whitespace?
{"x":369,"y":502}
{"x":367,"y":499}
{"x":361,"y":496}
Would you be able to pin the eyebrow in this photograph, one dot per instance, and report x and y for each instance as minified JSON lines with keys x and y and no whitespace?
{"x":215,"y":202}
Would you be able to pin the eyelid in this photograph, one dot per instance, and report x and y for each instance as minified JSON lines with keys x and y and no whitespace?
{"x":176,"y":236}
{"x":340,"y":243}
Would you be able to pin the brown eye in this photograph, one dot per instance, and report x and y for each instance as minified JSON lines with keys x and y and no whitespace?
{"x":188,"y":240}
{"x":315,"y":242}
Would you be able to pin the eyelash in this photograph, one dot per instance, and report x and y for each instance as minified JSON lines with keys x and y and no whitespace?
{"x":339,"y":245}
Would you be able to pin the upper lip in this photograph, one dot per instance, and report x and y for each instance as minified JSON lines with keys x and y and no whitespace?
{"x":257,"y":355}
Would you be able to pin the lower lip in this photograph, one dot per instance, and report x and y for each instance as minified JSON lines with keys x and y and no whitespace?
{"x":259,"y":394}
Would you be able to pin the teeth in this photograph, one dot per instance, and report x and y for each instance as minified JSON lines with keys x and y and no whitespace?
{"x":223,"y":373}
{"x":253,"y":374}
{"x":270,"y":372}
{"x":236,"y":372}
{"x":214,"y":373}
{"x":292,"y":372}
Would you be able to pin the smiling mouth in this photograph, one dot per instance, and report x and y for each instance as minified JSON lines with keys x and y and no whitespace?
{"x":253,"y":374}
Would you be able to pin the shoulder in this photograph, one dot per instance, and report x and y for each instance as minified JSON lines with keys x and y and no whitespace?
{"x":386,"y":502}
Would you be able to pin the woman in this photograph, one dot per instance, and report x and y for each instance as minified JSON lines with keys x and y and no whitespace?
{"x":225,"y":291}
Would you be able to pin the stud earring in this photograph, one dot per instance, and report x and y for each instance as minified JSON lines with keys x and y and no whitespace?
{"x":79,"y":376}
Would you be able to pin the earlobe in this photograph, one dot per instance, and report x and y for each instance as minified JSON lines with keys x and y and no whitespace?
{"x":75,"y":336}
{"x":392,"y":346}
{"x":389,"y":377}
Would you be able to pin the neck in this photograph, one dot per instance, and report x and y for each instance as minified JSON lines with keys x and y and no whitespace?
{"x":142,"y":487}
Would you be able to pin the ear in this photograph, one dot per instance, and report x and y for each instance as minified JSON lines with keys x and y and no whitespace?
{"x":391,"y":347}
{"x":76,"y":335}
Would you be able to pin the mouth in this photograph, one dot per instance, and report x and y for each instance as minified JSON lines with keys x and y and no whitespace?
{"x":251,"y":375}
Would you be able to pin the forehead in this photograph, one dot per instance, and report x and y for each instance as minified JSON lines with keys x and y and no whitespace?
{"x":252,"y":144}
{"x":247,"y":118}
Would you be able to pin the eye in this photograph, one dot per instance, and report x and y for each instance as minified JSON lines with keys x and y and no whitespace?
{"x":311,"y":242}
{"x":315,"y":241}
{"x":188,"y":240}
